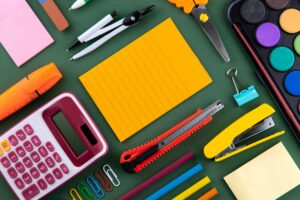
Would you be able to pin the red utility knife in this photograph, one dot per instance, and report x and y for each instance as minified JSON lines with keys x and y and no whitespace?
{"x":136,"y":159}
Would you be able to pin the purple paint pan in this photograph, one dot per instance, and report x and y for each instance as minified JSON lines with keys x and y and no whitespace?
{"x":268,"y":34}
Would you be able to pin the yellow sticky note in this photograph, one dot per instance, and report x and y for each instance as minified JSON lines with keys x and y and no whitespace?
{"x":267,"y":177}
{"x":145,"y":79}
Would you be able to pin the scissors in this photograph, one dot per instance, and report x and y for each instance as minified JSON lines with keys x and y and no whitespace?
{"x":199,"y":11}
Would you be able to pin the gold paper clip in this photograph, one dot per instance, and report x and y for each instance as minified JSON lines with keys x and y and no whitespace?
{"x":75,"y":195}
{"x":87,"y":194}
{"x":111,"y":175}
{"x":103,"y":180}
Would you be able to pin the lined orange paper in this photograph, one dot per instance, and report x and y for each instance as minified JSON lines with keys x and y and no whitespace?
{"x":145,"y":79}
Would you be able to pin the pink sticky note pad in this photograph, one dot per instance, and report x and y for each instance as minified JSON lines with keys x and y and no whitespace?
{"x":21,"y":32}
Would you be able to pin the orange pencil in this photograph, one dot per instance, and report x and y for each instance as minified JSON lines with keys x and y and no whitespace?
{"x":209,"y":195}
{"x":28,"y":89}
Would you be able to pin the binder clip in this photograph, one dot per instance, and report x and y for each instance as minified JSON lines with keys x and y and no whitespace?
{"x":94,"y":185}
{"x":245,"y":96}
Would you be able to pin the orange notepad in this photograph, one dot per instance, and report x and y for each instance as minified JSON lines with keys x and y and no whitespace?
{"x":145,"y":79}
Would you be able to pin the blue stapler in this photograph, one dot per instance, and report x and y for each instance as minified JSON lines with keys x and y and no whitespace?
{"x":245,"y":96}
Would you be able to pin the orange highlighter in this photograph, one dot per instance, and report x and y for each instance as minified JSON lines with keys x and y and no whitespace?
{"x":28,"y":89}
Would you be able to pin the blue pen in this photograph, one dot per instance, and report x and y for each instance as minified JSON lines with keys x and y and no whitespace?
{"x":176,"y":182}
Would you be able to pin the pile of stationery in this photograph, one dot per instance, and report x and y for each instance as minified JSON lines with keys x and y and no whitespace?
{"x":139,"y":85}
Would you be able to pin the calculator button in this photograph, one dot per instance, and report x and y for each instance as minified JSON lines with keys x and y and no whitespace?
{"x":13,"y":140}
{"x":43,"y":151}
{"x":64,"y":168}
{"x":21,"y":135}
{"x":5,"y":162}
{"x":42,"y":167}
{"x":42,"y":184}
{"x":57,"y":173}
{"x":28,"y":129}
{"x":13,"y":157}
{"x":27,"y":178}
{"x":5,"y":145}
{"x":12,"y":172}
{"x":36,"y":141}
{"x":20,"y":167}
{"x":20,"y":151}
{"x":50,"y":162}
{"x":30,"y":192}
{"x":34,"y":173}
{"x":50,"y":146}
{"x":35,"y":157}
{"x":57,"y":157}
{"x":28,"y":146}
{"x":50,"y":179}
{"x":19,"y":183}
{"x":27,"y":162}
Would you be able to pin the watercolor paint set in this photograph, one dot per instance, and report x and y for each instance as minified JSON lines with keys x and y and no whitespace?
{"x":269,"y":30}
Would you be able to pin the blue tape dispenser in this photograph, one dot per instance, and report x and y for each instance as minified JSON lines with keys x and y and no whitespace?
{"x":95,"y":186}
{"x":245,"y":96}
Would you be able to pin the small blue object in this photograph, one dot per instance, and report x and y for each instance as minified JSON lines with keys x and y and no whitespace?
{"x":176,"y":182}
{"x":42,"y":1}
{"x":246,"y":96}
{"x":95,"y":186}
{"x":292,"y":83}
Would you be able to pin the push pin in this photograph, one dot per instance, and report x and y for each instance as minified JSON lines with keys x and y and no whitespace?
{"x":244,"y":96}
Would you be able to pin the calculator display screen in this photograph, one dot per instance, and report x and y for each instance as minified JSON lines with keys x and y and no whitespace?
{"x":69,"y":133}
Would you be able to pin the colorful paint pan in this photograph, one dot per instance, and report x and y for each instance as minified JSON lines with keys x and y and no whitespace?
{"x":277,"y":4}
{"x":282,"y":59}
{"x":292,"y":83}
{"x":268,"y":34}
{"x":253,"y":11}
{"x":289,"y":20}
{"x":297,"y":44}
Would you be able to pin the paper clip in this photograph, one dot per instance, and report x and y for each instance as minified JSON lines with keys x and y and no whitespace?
{"x":75,"y":195}
{"x":85,"y":192}
{"x":94,"y":185}
{"x":111,"y":175}
{"x":103,"y":180}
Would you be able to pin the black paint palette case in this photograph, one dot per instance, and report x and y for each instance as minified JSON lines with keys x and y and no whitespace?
{"x":270,"y":31}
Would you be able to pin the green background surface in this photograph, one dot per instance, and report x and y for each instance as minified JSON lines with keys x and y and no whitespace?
{"x":221,"y":88}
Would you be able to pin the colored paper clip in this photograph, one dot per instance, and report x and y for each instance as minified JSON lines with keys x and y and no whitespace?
{"x":94,"y":185}
{"x":103,"y":180}
{"x":110,"y":173}
{"x":235,"y":138}
{"x":85,"y":192}
{"x":244,"y":96}
{"x":75,"y":194}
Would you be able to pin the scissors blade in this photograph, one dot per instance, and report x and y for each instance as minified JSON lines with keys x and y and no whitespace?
{"x":211,"y":31}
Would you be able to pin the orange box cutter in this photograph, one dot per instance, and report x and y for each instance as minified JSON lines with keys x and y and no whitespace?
{"x":140,"y":157}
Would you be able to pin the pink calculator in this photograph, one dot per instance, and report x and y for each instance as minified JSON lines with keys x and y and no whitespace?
{"x":49,"y":147}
